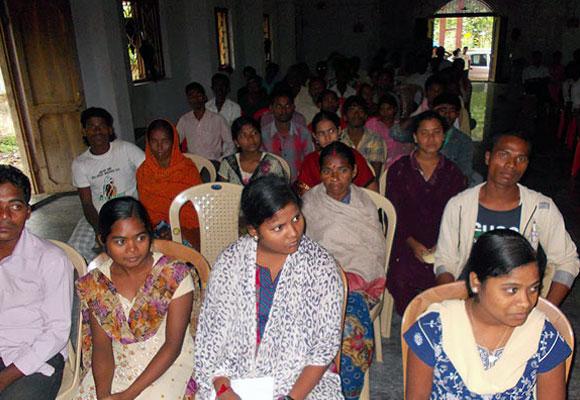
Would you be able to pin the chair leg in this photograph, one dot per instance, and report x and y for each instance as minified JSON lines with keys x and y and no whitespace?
{"x":366,"y":391}
{"x":387,"y":315}
{"x":378,"y":342}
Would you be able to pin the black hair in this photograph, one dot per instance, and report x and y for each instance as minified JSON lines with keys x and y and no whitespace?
{"x":97,"y":112}
{"x":249,"y":70}
{"x":325,"y":93}
{"x":264,"y":197}
{"x":160,"y":124}
{"x":118,"y":209}
{"x":338,"y":149}
{"x":433,"y":80}
{"x":281,"y":91}
{"x":220,"y":77}
{"x":497,"y":253}
{"x":198,"y":87}
{"x":10,"y":174}
{"x":515,"y":133}
{"x":388,"y":99}
{"x":354,"y":101}
{"x":316,"y":78}
{"x":240,"y":122}
{"x":325,"y":116}
{"x":427,"y":115}
{"x":447,"y":98}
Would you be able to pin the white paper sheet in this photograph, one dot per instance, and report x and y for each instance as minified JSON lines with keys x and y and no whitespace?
{"x":253,"y":388}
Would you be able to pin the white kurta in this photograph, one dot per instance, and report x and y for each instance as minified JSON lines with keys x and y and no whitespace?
{"x":132,"y":359}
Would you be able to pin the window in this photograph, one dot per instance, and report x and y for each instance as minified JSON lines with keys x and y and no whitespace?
{"x":464,"y":7}
{"x":267,"y":29}
{"x":223,"y":39}
{"x":141,"y":21}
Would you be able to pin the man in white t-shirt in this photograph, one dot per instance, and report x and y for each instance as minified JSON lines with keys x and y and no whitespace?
{"x":105,"y":171}
{"x":220,"y":104}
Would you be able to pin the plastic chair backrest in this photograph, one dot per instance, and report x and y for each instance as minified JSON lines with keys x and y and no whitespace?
{"x":218,"y":211}
{"x":285,"y":166}
{"x":344,"y":303}
{"x":385,"y":208}
{"x":71,"y":373}
{"x":184,"y":253}
{"x":371,"y":167}
{"x":562,"y":325}
{"x":383,"y":183}
{"x":458,"y":290}
{"x":203,"y":163}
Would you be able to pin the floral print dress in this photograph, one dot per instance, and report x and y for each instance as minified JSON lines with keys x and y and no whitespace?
{"x":137,"y":327}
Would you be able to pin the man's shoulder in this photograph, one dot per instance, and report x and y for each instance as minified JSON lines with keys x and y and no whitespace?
{"x":36,"y":247}
{"x":185,"y":118}
{"x":459,"y":135}
{"x":81,"y":158}
{"x":465,"y":197}
{"x":539,"y":200}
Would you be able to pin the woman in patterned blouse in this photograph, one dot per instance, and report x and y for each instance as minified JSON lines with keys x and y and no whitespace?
{"x":496,"y":344}
{"x":272,"y":306}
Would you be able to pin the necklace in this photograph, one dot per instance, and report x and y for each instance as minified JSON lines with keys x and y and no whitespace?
{"x":493,"y":354}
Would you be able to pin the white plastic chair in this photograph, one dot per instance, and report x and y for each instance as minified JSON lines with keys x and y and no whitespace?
{"x":72,"y":367}
{"x":458,"y":290}
{"x":184,"y":253}
{"x":382,"y":312}
{"x":203,"y":163}
{"x":383,"y":183}
{"x":218,"y":210}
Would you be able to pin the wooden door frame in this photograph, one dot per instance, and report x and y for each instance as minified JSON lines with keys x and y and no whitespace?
{"x":494,"y":35}
{"x":15,"y":97}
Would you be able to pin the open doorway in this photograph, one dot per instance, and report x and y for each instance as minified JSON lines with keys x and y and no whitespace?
{"x":10,"y":152}
{"x":470,"y":29}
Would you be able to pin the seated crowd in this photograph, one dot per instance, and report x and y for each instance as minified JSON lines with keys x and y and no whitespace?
{"x":309,"y":151}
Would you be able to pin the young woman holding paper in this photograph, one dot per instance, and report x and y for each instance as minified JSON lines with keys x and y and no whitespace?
{"x":272,"y":307}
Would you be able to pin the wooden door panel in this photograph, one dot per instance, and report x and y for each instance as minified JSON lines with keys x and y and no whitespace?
{"x":51,"y":96}
{"x":52,"y":142}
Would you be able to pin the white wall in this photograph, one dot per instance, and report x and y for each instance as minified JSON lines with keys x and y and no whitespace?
{"x":189,"y":49}
{"x":101,"y":60}
{"x":330,"y":28}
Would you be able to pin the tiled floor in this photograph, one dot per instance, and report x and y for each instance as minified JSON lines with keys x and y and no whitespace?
{"x":548,"y":173}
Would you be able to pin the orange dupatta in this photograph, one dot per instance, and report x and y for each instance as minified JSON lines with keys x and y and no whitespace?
{"x":158,"y":186}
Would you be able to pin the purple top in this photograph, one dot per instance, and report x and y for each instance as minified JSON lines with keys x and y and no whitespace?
{"x":419,"y":203}
{"x":36,"y":291}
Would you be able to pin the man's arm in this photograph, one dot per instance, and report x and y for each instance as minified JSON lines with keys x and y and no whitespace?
{"x":447,"y":249}
{"x":228,"y":146}
{"x":561,"y":252}
{"x":8,"y":376}
{"x":557,"y":293}
{"x":89,"y":209}
{"x":56,"y":308}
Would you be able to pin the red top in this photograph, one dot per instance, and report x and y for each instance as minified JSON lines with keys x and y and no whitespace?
{"x":309,"y":175}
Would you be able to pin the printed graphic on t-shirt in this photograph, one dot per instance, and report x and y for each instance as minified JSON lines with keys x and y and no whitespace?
{"x":489,"y":220}
{"x":109,"y":189}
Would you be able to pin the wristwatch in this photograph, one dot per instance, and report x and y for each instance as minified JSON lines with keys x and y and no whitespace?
{"x":287,"y":397}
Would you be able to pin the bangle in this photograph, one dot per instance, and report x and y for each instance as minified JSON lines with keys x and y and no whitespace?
{"x":223,"y":388}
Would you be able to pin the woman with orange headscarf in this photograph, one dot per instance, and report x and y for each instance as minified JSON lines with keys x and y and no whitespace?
{"x":163,"y":175}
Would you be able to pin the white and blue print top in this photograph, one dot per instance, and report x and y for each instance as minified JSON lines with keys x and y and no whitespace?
{"x":425,"y":340}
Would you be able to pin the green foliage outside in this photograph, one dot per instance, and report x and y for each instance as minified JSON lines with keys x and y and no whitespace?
{"x":477,"y":32}
{"x":8,"y":144}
